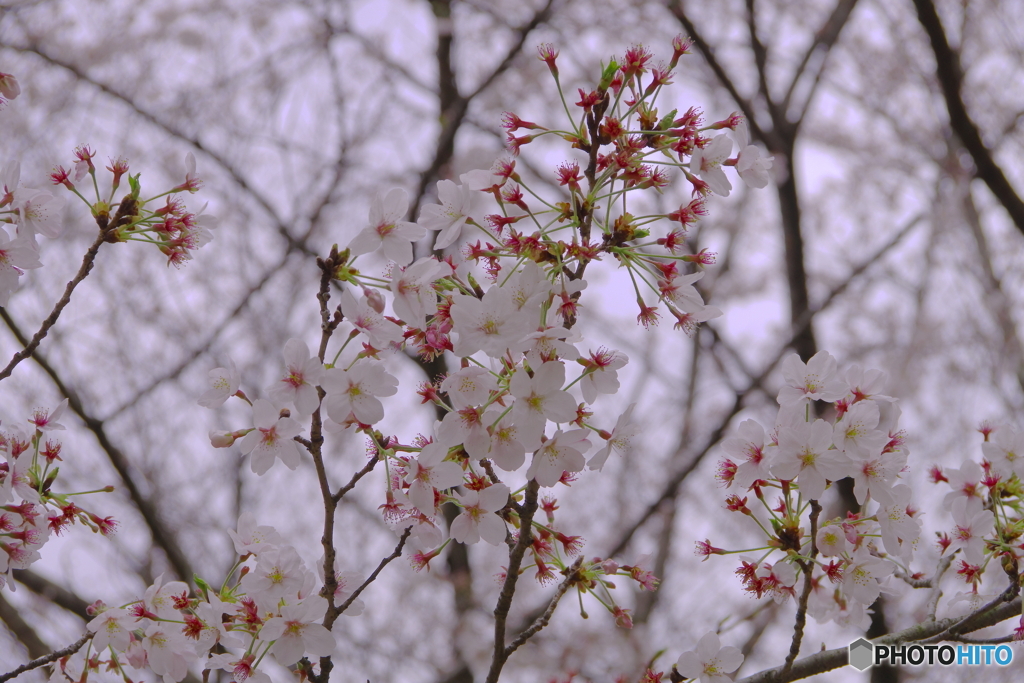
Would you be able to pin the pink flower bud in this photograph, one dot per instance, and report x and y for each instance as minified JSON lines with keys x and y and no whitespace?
{"x":374,"y":298}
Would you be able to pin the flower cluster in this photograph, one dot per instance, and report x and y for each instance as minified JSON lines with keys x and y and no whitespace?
{"x":800,"y":458}
{"x":30,"y":510}
{"x":506,"y":304}
{"x":516,"y":401}
{"x":986,"y":503}
{"x":270,"y":607}
{"x":171,"y":228}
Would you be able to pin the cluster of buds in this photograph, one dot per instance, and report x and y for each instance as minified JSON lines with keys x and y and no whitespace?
{"x":171,"y":228}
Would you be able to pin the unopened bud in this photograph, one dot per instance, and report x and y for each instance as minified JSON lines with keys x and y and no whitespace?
{"x":222,"y":439}
{"x":374,"y":298}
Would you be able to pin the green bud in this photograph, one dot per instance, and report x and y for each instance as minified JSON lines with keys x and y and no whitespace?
{"x":133,"y":182}
{"x":608,"y":75}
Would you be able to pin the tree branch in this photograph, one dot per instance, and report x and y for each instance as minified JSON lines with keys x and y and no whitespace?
{"x":950,"y":76}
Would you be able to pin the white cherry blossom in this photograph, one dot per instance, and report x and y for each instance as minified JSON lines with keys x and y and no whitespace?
{"x":477,"y":520}
{"x":561,"y":453}
{"x":223,"y":384}
{"x":271,"y":438}
{"x":298,"y":386}
{"x":706,"y":162}
{"x":387,"y":229}
{"x":448,"y":217}
{"x":710,"y":661}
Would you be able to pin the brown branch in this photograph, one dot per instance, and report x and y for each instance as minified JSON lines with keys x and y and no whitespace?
{"x":572,"y":577}
{"x":21,"y":629}
{"x":824,"y":39}
{"x":508,"y":589}
{"x":43,"y":661}
{"x":950,"y":77}
{"x":454,"y":106}
{"x":801,"y":609}
{"x":828,"y":660}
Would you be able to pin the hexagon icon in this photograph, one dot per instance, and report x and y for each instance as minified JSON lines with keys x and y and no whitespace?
{"x":862,"y":654}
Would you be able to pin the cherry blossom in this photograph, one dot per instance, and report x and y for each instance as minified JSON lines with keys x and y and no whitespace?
{"x":900,"y":532}
{"x":561,"y":453}
{"x":46,"y":421}
{"x":804,"y":453}
{"x":469,"y":386}
{"x":831,"y":540}
{"x":223,"y":384}
{"x":381,"y":331}
{"x":816,"y":380}
{"x":748,"y":450}
{"x":477,"y":520}
{"x":966,"y":484}
{"x":241,"y":667}
{"x":750,"y":164}
{"x":279,"y":573}
{"x":16,"y":256}
{"x":538,"y":399}
{"x":971,"y":526}
{"x":707,"y":163}
{"x":710,"y":661}
{"x":415,"y":298}
{"x":507,"y":450}
{"x":295,"y":634}
{"x":465,"y":427}
{"x":387,"y":229}
{"x":298,"y":386}
{"x":601,"y":376}
{"x":862,"y":575}
{"x":875,"y":474}
{"x":356,"y":390}
{"x":857,"y":433}
{"x":620,"y":440}
{"x":159,"y":599}
{"x":491,"y":324}
{"x":1005,"y":452}
{"x":168,"y":653}
{"x":271,"y":438}
{"x":429,"y":472}
{"x":112,"y":628}
{"x":451,"y":214}
{"x":254,"y":539}
{"x":39,"y":212}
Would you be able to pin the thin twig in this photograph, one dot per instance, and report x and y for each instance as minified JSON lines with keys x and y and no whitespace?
{"x":43,"y":661}
{"x":395,"y":554}
{"x":572,"y":577}
{"x":933,"y":599}
{"x":801,"y":611}
{"x":355,"y":479}
{"x":515,"y":560}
